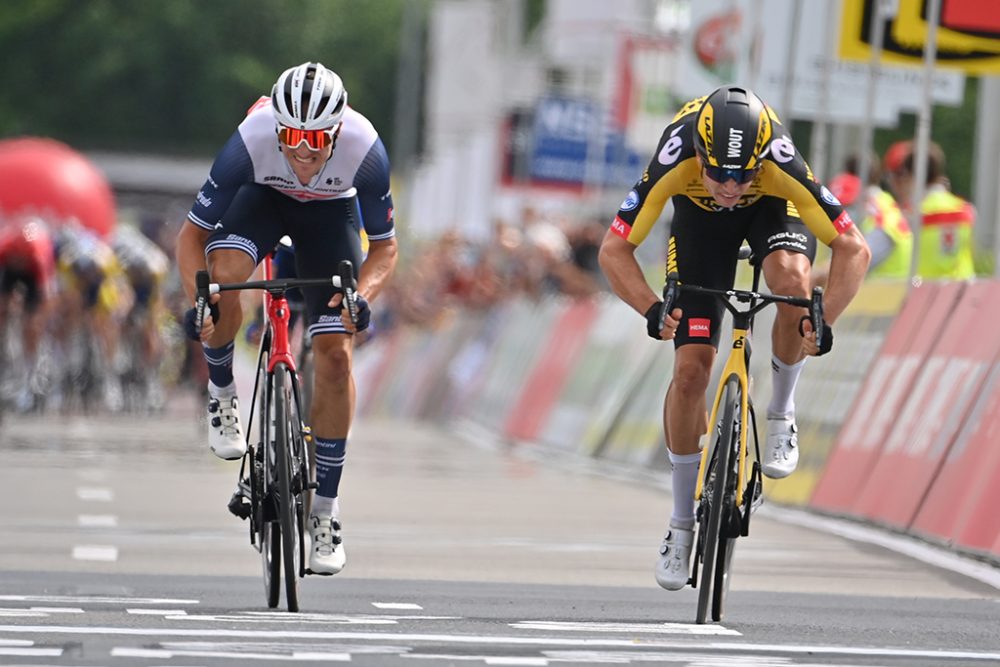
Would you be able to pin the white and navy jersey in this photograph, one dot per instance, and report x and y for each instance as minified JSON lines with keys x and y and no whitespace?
{"x":359,"y":166}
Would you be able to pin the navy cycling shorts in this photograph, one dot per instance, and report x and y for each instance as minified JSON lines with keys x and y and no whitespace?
{"x":323,"y":232}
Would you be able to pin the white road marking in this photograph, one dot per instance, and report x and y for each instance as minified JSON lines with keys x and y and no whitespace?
{"x":298,"y":619}
{"x":97,"y":520}
{"x":396,"y":605}
{"x":93,"y":599}
{"x":16,"y":642}
{"x":662,"y":628}
{"x":157,"y":612}
{"x":7,"y":611}
{"x":34,"y":652}
{"x":505,"y":640}
{"x":95,"y":552}
{"x":515,"y":661}
{"x":908,"y":546}
{"x":125,"y":652}
{"x":58,"y":610}
{"x":97,"y":494}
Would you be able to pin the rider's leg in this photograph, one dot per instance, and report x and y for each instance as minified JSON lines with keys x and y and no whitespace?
{"x":684,"y":423}
{"x":332,"y":411}
{"x":225,"y":265}
{"x":786,"y":273}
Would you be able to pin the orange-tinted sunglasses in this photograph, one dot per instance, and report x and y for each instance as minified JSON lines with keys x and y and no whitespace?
{"x":315,"y":139}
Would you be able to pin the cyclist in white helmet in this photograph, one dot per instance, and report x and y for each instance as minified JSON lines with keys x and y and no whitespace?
{"x":302,"y":164}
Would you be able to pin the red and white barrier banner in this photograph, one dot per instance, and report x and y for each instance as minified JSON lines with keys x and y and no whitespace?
{"x":936,"y":406}
{"x":540,"y":392}
{"x":962,"y":503}
{"x":870,"y":420}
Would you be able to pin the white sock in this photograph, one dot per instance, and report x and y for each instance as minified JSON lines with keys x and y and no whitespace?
{"x":323,"y":506}
{"x":684,"y":477}
{"x":229,"y":391}
{"x":783,"y":380}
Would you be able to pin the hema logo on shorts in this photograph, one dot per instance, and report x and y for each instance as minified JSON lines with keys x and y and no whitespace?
{"x":699,"y":327}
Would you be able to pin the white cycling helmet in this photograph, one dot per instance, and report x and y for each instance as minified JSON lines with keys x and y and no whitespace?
{"x":309,"y":97}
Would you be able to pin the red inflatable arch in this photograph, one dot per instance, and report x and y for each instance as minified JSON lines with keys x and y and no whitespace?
{"x":49,"y":178}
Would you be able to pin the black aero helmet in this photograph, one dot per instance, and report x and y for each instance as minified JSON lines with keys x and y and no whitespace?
{"x":733,"y":129}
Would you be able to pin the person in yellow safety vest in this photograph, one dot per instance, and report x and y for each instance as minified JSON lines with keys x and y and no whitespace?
{"x":885,"y":228}
{"x":946,"y":220}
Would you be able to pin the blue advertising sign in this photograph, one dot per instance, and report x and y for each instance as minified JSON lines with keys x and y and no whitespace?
{"x":570,"y":131}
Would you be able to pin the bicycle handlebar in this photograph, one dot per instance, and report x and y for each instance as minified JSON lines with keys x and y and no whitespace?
{"x":343,"y":281}
{"x":673,"y":288}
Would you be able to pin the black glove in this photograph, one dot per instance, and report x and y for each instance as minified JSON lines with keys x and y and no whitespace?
{"x":364,"y":312}
{"x":826,"y":344}
{"x":653,"y":318}
{"x":190,"y":320}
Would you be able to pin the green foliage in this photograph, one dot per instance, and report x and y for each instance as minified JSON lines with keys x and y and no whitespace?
{"x":178,"y":75}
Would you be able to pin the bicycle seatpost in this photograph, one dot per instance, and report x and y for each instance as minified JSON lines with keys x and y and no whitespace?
{"x":349,"y":288}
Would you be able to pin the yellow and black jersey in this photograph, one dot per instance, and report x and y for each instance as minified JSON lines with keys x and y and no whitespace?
{"x":675,"y":171}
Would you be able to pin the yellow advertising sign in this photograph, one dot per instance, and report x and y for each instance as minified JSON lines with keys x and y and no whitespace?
{"x":910,"y":29}
{"x":907,"y":47}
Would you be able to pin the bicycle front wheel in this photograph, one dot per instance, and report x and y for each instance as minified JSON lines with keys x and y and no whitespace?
{"x":287,"y":497}
{"x":713,"y":509}
{"x":731,"y":520}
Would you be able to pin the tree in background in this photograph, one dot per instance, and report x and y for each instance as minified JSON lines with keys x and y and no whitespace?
{"x":177,"y":76}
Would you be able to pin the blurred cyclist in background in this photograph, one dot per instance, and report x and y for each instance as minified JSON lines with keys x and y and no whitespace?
{"x":93,"y":292}
{"x":145,"y":267}
{"x":302,"y":164}
{"x":733,"y":173}
{"x":27,"y":282}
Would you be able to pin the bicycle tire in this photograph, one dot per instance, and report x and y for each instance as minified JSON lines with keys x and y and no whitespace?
{"x":730,"y":516}
{"x":270,"y":552}
{"x":270,"y":539}
{"x":715,"y":486}
{"x":287,"y":519}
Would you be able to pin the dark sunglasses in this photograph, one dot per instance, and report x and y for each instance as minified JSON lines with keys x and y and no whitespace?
{"x":723,"y":174}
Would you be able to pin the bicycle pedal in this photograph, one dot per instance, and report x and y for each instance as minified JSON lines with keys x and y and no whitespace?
{"x":318,"y":574}
{"x":239,"y":506}
{"x":312,"y":485}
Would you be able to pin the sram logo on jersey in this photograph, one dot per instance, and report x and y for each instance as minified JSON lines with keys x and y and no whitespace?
{"x":699,"y":327}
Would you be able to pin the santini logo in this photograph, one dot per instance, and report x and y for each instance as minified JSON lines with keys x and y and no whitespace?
{"x":735,"y":142}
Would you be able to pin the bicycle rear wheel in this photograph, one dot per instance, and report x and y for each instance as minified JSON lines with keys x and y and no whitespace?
{"x":731,"y":522}
{"x":713,"y":499}
{"x":288,"y":508}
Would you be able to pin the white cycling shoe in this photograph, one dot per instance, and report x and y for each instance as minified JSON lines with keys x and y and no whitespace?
{"x":673,"y":566}
{"x":781,"y":452}
{"x":326,"y":555}
{"x":225,"y":434}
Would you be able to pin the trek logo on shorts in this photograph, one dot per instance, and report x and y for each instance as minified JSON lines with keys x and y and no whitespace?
{"x":699,"y":327}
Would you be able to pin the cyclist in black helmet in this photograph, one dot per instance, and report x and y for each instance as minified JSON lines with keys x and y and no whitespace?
{"x":732,"y":174}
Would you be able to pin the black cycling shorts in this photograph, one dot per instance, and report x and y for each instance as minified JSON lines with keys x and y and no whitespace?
{"x":706,"y":245}
{"x":324,"y":233}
